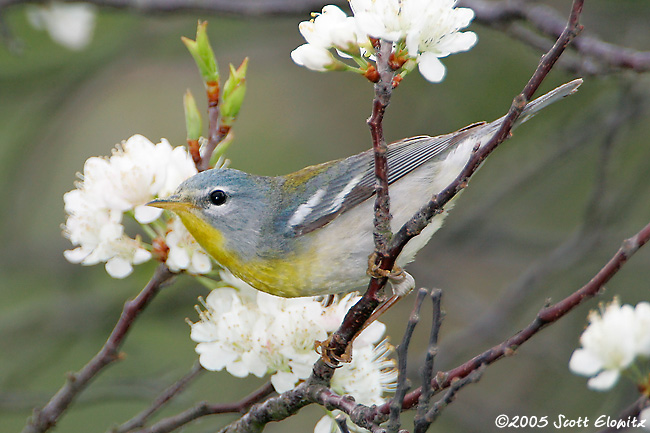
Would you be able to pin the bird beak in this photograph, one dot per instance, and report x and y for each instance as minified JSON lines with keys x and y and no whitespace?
{"x":173,"y":203}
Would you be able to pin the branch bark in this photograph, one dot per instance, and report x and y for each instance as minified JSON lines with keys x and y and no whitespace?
{"x":545,"y":317}
{"x":47,"y":417}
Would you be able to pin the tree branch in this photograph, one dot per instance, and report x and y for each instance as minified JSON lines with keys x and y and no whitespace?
{"x":394,"y":422}
{"x":456,"y":385}
{"x":550,"y":23}
{"x":45,"y":418}
{"x":172,"y":423}
{"x":420,"y":422}
{"x":140,"y":419}
{"x":545,"y":317}
{"x":383,"y":90}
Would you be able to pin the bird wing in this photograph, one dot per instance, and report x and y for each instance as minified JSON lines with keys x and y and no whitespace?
{"x":335,"y":187}
{"x":346,"y":183}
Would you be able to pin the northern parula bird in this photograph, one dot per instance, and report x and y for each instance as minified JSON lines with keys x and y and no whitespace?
{"x":311,"y":232}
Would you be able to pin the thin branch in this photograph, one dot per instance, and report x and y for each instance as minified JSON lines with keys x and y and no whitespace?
{"x":202,"y":409}
{"x":456,"y":385}
{"x":420,"y":423}
{"x":383,"y":90}
{"x":550,"y":23}
{"x":216,"y":133}
{"x":402,"y":357}
{"x":164,"y":398}
{"x":545,"y":317}
{"x":45,"y":418}
{"x":274,"y":409}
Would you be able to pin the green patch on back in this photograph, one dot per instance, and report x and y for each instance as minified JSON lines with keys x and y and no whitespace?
{"x":300,"y":177}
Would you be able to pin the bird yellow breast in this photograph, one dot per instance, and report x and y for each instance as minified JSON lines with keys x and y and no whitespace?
{"x":287,"y":276}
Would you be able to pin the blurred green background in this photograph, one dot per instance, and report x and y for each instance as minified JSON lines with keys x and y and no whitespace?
{"x":545,"y":211}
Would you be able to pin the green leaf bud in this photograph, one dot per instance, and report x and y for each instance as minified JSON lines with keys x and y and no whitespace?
{"x":193,"y":120}
{"x":201,"y":51}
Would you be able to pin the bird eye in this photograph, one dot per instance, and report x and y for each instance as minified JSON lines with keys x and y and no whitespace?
{"x":218,"y":197}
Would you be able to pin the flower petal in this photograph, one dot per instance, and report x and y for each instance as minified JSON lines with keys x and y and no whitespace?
{"x":118,"y":267}
{"x":604,"y":381}
{"x":585,"y":363}
{"x":312,"y":57}
{"x":431,"y":67}
{"x":147,"y":214}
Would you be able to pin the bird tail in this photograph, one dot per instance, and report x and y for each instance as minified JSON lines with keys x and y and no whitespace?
{"x":533,"y":107}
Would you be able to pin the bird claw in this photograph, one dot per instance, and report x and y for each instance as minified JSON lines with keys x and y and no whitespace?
{"x":327,"y":353}
{"x":401,"y":281}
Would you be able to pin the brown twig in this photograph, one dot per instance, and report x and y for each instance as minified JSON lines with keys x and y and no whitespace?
{"x":545,"y":317}
{"x":164,"y":398}
{"x":276,"y":408}
{"x":456,"y":385}
{"x":215,"y":133}
{"x":356,"y":318}
{"x":383,"y":90}
{"x":420,"y":422}
{"x":45,"y":418}
{"x":172,"y":423}
{"x":551,"y":24}
{"x":394,"y":422}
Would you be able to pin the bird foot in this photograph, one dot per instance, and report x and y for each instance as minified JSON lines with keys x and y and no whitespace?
{"x":400,"y":281}
{"x":327,"y":353}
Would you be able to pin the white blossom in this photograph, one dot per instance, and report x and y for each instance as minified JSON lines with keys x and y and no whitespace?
{"x":331,"y":28}
{"x":68,"y":24}
{"x":611,"y":343}
{"x":184,"y":252}
{"x":427,"y":29}
{"x":245,"y":331}
{"x":136,"y":172}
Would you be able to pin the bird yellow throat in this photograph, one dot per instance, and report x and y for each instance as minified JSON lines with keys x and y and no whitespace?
{"x":284,"y":277}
